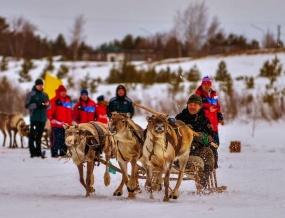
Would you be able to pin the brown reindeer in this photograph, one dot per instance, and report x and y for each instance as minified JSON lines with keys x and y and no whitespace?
{"x":164,"y":144}
{"x":128,"y":137}
{"x":16,"y":124}
{"x":4,"y":117}
{"x":85,"y":142}
{"x":46,"y":135}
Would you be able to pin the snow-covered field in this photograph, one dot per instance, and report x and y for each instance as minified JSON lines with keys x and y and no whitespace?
{"x":44,"y":188}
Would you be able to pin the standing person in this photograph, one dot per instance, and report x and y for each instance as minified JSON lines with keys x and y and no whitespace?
{"x":84,"y":110}
{"x":120,"y":103}
{"x":195,"y":116}
{"x":37,"y":102}
{"x":101,"y":110}
{"x":60,"y":112}
{"x":212,"y":109}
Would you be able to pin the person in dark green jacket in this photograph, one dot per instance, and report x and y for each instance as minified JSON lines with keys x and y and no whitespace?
{"x":120,"y":103}
{"x":37,"y":102}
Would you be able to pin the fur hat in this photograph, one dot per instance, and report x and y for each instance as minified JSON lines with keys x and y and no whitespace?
{"x":61,"y":88}
{"x":39,"y":82}
{"x":206,"y":80}
{"x":194,"y":98}
{"x":84,"y":91}
{"x":100,"y":98}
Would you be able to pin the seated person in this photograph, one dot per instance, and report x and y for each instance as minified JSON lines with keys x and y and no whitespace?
{"x":194,"y":115}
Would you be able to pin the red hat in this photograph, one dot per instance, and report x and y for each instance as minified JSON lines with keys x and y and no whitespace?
{"x":61,"y":88}
{"x":206,"y":80}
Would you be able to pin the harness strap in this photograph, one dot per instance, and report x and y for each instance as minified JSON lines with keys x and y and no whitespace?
{"x":100,"y":134}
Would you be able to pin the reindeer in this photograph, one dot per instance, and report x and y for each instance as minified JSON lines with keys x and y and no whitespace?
{"x":85,"y":143}
{"x":46,"y":134}
{"x":128,"y":137}
{"x":16,"y":124}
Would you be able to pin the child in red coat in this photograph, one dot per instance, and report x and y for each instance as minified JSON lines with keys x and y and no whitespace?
{"x":101,"y":110}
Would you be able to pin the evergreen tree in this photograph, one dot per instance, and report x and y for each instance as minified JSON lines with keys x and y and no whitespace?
{"x":24,"y":72}
{"x":271,"y":70}
{"x":194,"y":74}
{"x":222,"y":72}
{"x":62,"y":71}
{"x":3,"y":64}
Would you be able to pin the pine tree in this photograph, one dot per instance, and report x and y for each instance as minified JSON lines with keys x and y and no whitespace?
{"x":271,"y":70}
{"x":62,"y":71}
{"x":194,"y":74}
{"x":24,"y":73}
{"x":3,"y":64}
{"x":222,"y":72}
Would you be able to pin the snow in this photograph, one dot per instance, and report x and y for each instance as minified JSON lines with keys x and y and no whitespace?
{"x":35,"y":187}
{"x":255,"y":178}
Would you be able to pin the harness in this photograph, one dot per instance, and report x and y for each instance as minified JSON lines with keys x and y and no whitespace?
{"x":101,"y":140}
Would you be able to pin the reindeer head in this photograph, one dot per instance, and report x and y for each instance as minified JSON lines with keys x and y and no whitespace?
{"x":157,"y":124}
{"x":118,"y":122}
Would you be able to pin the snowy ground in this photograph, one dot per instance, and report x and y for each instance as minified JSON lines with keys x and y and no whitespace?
{"x":50,"y":188}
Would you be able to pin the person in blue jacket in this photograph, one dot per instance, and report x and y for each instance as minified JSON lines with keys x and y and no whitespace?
{"x":120,"y":103}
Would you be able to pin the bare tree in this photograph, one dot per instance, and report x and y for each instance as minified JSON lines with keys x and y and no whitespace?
{"x":194,"y":22}
{"x":213,"y":28}
{"x":268,"y":40}
{"x":21,"y":30}
{"x":178,"y":31}
{"x":77,"y":35}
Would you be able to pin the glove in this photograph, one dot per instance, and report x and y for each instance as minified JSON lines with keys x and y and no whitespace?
{"x":40,"y":105}
{"x":203,"y":138}
{"x":80,"y":108}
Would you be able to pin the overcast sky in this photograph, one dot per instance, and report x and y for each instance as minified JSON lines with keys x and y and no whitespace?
{"x":113,"y":19}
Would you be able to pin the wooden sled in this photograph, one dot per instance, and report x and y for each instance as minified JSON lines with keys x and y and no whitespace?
{"x":194,"y":165}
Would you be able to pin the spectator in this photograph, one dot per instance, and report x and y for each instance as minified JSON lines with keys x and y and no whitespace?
{"x":195,"y":116}
{"x":212,"y":109}
{"x":101,"y":110}
{"x":37,"y":102}
{"x":120,"y":103}
{"x":60,"y":112}
{"x":84,"y":110}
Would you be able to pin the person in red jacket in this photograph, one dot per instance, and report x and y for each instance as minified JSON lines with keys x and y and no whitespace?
{"x":84,"y":110}
{"x":60,"y":112}
{"x":212,"y":109}
{"x":101,"y":110}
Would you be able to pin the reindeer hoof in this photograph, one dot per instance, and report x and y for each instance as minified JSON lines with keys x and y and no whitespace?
{"x":132,"y":195}
{"x":165,"y":199}
{"x":119,"y":193}
{"x":92,"y":190}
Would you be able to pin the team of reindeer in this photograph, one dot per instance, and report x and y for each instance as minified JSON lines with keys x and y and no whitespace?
{"x":155,"y":147}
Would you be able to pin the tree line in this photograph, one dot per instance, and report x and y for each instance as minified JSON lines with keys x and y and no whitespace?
{"x":193,"y":34}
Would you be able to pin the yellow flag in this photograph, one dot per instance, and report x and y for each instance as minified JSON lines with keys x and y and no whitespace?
{"x":51,"y":84}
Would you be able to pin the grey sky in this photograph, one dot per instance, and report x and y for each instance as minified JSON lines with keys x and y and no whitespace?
{"x":113,"y":19}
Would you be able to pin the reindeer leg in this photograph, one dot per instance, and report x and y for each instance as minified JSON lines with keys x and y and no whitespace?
{"x":132,"y":181}
{"x":15,"y":141}
{"x":119,"y":190}
{"x":5,"y":135}
{"x":166,"y":182}
{"x":107,"y":177}
{"x":81,"y":176}
{"x":22,"y":144}
{"x":10,"y":136}
{"x":149,"y":180}
{"x":89,"y":174}
{"x":182,"y":164}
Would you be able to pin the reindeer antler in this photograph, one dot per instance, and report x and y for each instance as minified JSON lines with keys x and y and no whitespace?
{"x":148,"y":109}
